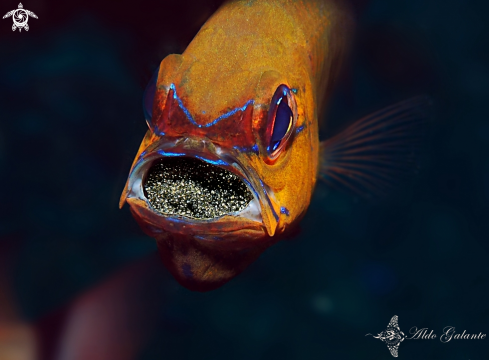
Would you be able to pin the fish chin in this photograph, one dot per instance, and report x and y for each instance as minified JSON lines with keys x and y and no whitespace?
{"x":203,"y":210}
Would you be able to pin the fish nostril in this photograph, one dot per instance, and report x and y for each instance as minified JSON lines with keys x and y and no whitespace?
{"x":195,"y":189}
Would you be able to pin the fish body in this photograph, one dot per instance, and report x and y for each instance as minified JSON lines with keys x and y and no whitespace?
{"x":243,"y":101}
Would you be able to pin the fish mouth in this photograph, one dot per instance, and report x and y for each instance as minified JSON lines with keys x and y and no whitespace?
{"x":194,"y":189}
{"x":189,"y":185}
{"x":208,"y":210}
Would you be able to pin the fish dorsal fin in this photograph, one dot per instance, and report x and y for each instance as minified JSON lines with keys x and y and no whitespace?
{"x":375,"y":152}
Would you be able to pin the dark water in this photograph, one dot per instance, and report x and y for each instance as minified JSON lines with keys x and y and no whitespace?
{"x":71,"y":122}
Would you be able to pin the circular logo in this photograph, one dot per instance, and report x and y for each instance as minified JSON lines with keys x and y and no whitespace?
{"x":20,"y":17}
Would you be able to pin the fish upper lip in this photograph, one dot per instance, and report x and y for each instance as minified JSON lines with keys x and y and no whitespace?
{"x":201,"y":149}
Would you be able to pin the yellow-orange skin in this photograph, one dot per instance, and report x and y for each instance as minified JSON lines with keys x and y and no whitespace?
{"x":244,"y":52}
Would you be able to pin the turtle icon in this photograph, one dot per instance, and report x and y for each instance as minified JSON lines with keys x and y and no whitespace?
{"x":20,"y":17}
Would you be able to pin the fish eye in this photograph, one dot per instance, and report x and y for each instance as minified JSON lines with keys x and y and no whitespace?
{"x":148,"y":98}
{"x":281,"y":121}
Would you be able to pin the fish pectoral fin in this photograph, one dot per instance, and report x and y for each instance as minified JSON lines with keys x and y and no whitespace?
{"x":377,"y":151}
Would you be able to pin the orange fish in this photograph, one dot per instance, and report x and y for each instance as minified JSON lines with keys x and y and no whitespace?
{"x":230,"y":160}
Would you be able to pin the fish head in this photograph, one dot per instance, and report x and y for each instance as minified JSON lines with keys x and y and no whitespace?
{"x":219,"y":177}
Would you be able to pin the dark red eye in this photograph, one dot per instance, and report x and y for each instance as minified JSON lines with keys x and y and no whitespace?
{"x":148,"y":98}
{"x":280,"y":121}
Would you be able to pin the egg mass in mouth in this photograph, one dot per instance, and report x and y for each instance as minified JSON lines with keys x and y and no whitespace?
{"x":194,"y":189}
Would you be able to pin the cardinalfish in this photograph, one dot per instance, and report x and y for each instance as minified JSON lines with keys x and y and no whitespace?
{"x":231,"y":157}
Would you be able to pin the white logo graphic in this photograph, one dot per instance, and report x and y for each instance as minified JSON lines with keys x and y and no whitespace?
{"x":20,"y":17}
{"x":392,"y":336}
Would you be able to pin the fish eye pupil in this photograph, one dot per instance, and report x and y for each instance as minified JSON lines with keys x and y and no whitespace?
{"x":283,"y":119}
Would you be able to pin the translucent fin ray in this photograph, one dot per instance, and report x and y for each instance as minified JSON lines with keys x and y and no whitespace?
{"x":375,"y":152}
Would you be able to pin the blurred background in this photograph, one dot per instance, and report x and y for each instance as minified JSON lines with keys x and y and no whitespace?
{"x":78,"y":278}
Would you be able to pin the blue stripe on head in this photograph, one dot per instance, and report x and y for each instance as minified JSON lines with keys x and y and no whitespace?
{"x":222,"y":117}
{"x":164,"y":153}
{"x":213,"y":162}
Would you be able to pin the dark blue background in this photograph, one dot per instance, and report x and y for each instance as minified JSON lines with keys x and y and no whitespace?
{"x":70,"y":124}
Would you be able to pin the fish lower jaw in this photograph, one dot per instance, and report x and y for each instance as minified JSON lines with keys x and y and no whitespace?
{"x":203,"y":255}
{"x":199,"y":267}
